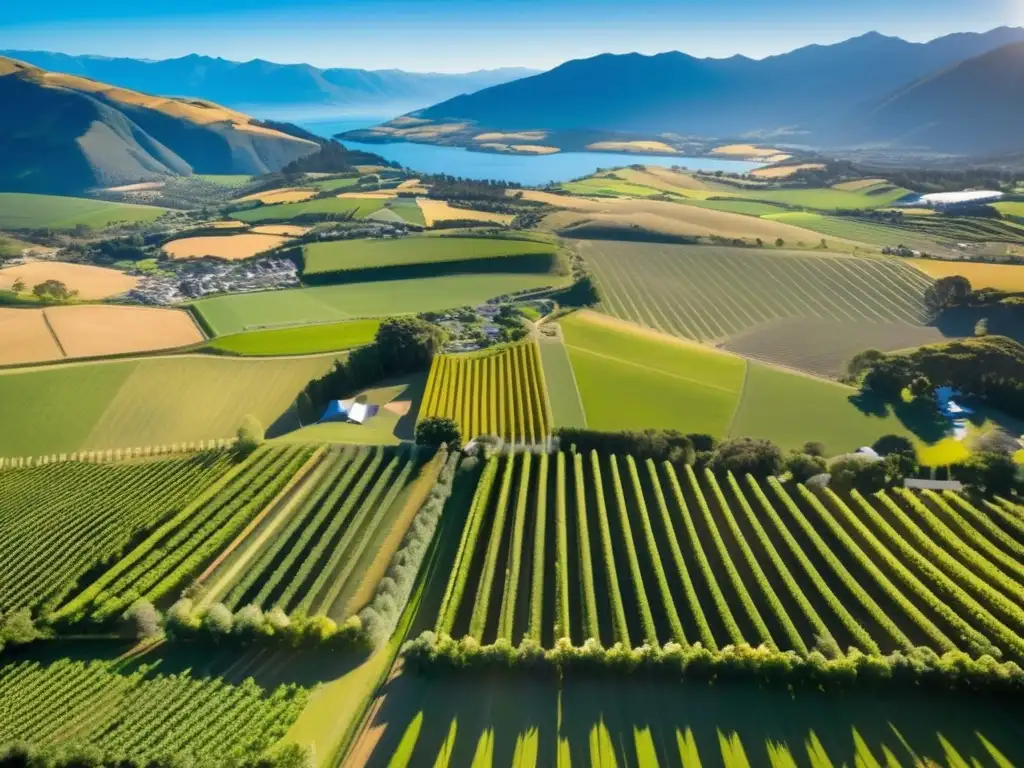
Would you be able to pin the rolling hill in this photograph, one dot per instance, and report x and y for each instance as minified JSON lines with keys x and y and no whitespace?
{"x":676,"y":93}
{"x":974,"y":107}
{"x":69,"y":133}
{"x":264,"y":86}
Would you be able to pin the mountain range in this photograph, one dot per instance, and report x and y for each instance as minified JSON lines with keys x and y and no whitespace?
{"x":813,"y":95}
{"x":266,"y":88}
{"x":64,"y":133}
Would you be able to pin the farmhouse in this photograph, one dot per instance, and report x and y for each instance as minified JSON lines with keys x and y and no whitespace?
{"x":349,"y":410}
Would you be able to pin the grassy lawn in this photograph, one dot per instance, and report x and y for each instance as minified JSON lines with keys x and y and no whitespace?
{"x":300,"y":340}
{"x":791,"y":409}
{"x":356,"y":208}
{"x":24,"y":211}
{"x":252,"y":311}
{"x":152,"y":401}
{"x":566,"y":405}
{"x":342,"y":255}
{"x":631,"y":379}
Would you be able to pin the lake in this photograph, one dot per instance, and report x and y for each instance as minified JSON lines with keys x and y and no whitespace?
{"x":528,"y":170}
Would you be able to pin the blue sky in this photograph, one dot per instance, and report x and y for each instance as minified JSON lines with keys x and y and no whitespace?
{"x":454,"y":35}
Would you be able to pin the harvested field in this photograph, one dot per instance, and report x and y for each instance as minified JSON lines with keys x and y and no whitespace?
{"x":676,"y":219}
{"x":96,"y":329}
{"x":710,"y":293}
{"x":281,"y":230}
{"x":441,"y":210}
{"x":745,"y":150}
{"x":824,"y":347}
{"x":858,"y":184}
{"x":633,"y":146}
{"x":285,"y":195}
{"x":1003,"y":277}
{"x":25,"y":337}
{"x":509,"y":137}
{"x":90,"y":282}
{"x":222,"y":225}
{"x":230,"y":247}
{"x":781,"y":172}
{"x":383,"y":194}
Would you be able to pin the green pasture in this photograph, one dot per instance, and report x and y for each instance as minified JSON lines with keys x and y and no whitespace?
{"x":859,"y":231}
{"x":603,"y":186}
{"x":641,"y":723}
{"x":344,"y":255}
{"x":1011,"y":208}
{"x":408,"y":210}
{"x":330,"y":185}
{"x":566,"y":404}
{"x":25,"y":211}
{"x":327,"y":304}
{"x":148,"y":401}
{"x":300,"y":340}
{"x":329,"y":206}
{"x":634,"y":380}
{"x":824,"y":198}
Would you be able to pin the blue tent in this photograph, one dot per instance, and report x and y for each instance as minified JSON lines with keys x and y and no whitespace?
{"x":336,"y":411}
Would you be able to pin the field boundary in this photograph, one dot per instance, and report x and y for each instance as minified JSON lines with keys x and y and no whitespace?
{"x":56,"y":339}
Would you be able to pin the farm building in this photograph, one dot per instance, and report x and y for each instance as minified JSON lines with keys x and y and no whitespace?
{"x":348,"y":410}
{"x":950,"y":200}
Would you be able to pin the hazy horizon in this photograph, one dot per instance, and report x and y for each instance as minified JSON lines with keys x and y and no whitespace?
{"x":458,"y":36}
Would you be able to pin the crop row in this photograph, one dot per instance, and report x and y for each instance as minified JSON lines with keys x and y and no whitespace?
{"x":60,"y":521}
{"x":658,"y":554}
{"x":500,"y":393}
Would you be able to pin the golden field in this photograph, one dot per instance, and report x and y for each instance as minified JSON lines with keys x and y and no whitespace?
{"x":90,"y":282}
{"x":783,"y":171}
{"x":633,"y":146}
{"x":283,"y":195}
{"x":1003,"y":277}
{"x":25,"y":337}
{"x":230,"y":247}
{"x":96,"y":329}
{"x":440,"y":210}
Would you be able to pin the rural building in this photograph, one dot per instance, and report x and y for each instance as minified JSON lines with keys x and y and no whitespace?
{"x":950,"y":200}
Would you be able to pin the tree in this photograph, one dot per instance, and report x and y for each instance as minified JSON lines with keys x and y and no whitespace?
{"x":812,"y":448}
{"x":760,"y":242}
{"x":407,"y":344}
{"x":994,"y":474}
{"x":865,"y":473}
{"x":16,"y":628}
{"x":142,"y":620}
{"x":747,"y":455}
{"x":890,"y":444}
{"x":921,"y":388}
{"x":803,"y":466}
{"x":53,"y":290}
{"x":250,"y":434}
{"x":889,"y":377}
{"x":18,"y":285}
{"x":779,"y":242}
{"x":217,"y":622}
{"x":437,"y":431}
{"x":824,"y":243}
{"x":946,"y":292}
{"x":864,"y":360}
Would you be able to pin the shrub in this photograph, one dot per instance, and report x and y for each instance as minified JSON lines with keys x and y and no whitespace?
{"x":857,"y":471}
{"x":747,"y":456}
{"x":436,"y":431}
{"x":888,"y":444}
{"x":803,"y":466}
{"x":250,"y":435}
{"x":142,"y":620}
{"x":989,"y":473}
{"x":813,"y":449}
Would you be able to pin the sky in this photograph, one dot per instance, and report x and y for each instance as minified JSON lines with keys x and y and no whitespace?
{"x":462,"y":35}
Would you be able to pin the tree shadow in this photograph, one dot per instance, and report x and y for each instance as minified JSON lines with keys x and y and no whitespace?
{"x":960,"y":322}
{"x":869,"y":404}
{"x":922,"y":418}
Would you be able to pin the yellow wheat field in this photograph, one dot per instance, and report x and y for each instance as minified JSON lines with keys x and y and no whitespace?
{"x":1003,"y":277}
{"x":744,"y":150}
{"x":496,"y":392}
{"x":284,"y":195}
{"x":505,"y":138}
{"x":440,"y":210}
{"x":783,"y":171}
{"x":90,"y":282}
{"x":95,"y":329}
{"x":25,"y":337}
{"x":229,"y":247}
{"x":633,"y":146}
{"x":281,"y":230}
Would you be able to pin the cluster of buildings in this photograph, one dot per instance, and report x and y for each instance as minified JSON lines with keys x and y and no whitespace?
{"x":192,"y":280}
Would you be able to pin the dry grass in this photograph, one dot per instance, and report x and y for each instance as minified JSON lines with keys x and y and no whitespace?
{"x":406,"y":120}
{"x":508,"y":137}
{"x":440,"y":210}
{"x":281,"y":230}
{"x":230,"y":224}
{"x":284,"y":195}
{"x":142,"y":186}
{"x":90,"y":282}
{"x":95,"y":329}
{"x":382,"y":194}
{"x":1004,"y":277}
{"x":671,"y":219}
{"x":781,"y":172}
{"x":858,"y":184}
{"x":25,"y":337}
{"x":744,"y":150}
{"x":534,"y":149}
{"x":230,"y":247}
{"x":633,"y":146}
{"x":666,"y":180}
{"x":423,"y":130}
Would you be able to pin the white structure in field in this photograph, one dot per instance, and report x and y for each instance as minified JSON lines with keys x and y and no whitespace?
{"x":955,"y":199}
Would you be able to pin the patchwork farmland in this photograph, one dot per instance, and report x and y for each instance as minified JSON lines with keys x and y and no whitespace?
{"x":710,"y":294}
{"x":499,"y":393}
{"x":641,"y":552}
{"x":26,"y":211}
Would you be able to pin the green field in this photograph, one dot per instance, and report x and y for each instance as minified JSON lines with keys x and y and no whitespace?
{"x":857,"y":230}
{"x":330,"y":185}
{"x":24,"y":211}
{"x":631,"y":380}
{"x":300,"y":340}
{"x":566,"y":405}
{"x":270,"y":309}
{"x":824,"y":199}
{"x":324,"y":208}
{"x":146,"y":402}
{"x":709,"y":293}
{"x":1012,"y":208}
{"x":349,"y":255}
{"x":606,"y":187}
{"x":408,"y":210}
